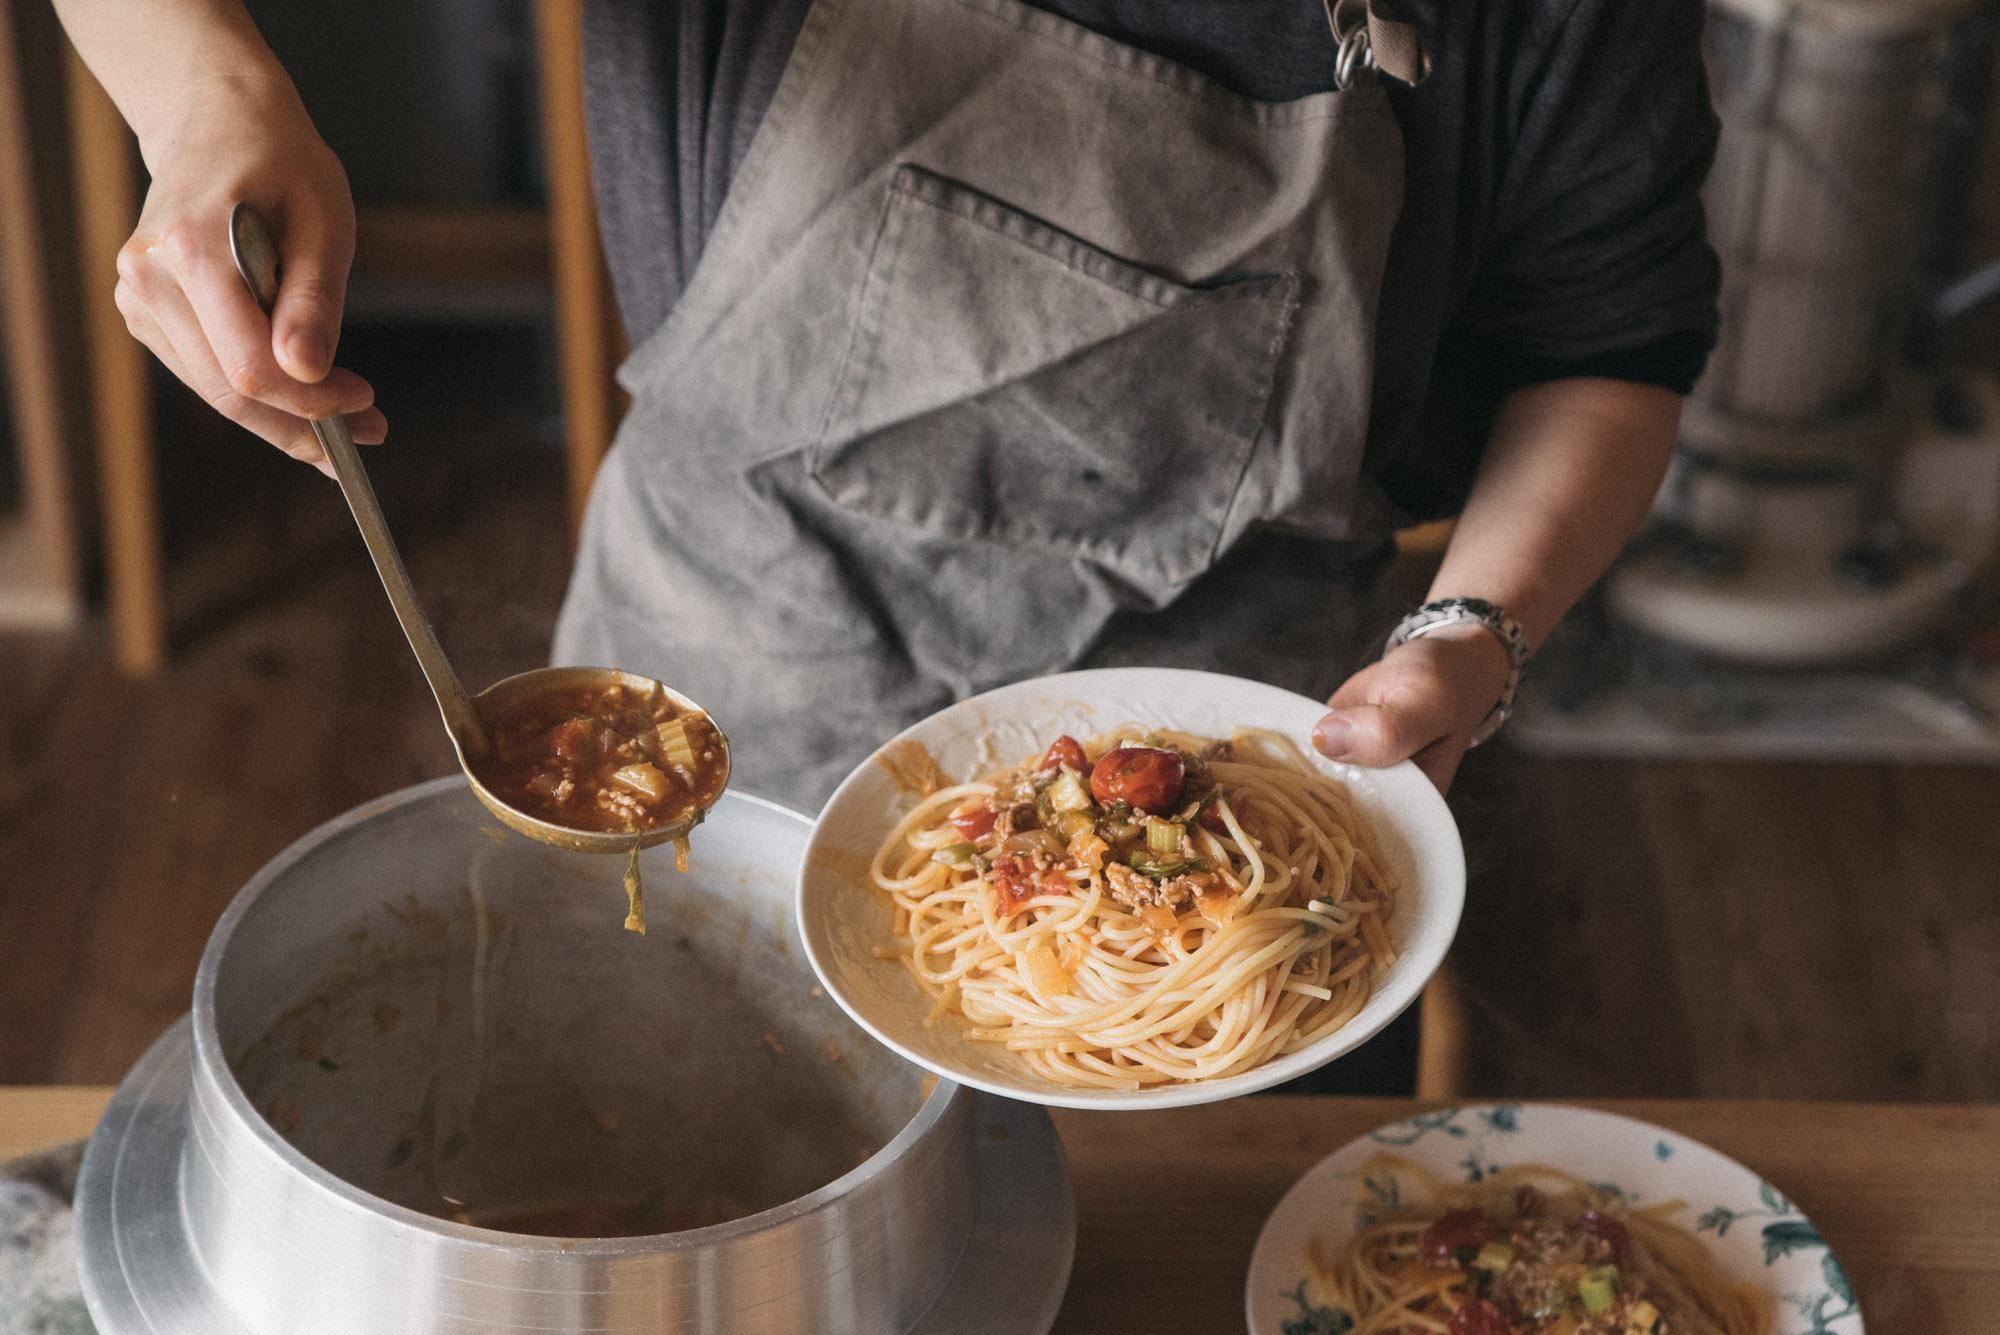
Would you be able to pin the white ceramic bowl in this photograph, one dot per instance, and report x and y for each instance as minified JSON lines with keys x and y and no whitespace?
{"x":843,"y":919}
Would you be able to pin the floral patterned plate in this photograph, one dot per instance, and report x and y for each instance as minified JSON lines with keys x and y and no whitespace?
{"x":1752,"y":1227}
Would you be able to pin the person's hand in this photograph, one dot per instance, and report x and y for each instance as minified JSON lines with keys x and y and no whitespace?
{"x":1421,"y":702}
{"x":248,"y":140}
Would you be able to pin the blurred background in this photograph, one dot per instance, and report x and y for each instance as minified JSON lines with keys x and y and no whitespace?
{"x":1743,"y":838}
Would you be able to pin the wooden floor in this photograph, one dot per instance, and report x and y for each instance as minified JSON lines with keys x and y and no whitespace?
{"x":1633,"y":929}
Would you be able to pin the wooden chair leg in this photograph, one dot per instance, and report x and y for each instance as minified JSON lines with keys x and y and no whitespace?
{"x":107,"y":205}
{"x":51,"y":590}
{"x":586,"y":341}
{"x":1441,"y":1041}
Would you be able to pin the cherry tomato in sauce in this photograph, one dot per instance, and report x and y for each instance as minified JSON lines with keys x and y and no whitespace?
{"x":1210,"y":819}
{"x":975,"y":824}
{"x":1145,"y":777}
{"x":1479,"y":1317}
{"x":1453,"y":1233}
{"x":575,"y":739}
{"x":1065,"y":750}
{"x":1611,"y":1230}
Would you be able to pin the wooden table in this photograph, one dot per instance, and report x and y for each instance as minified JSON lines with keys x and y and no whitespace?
{"x":1909,"y":1196}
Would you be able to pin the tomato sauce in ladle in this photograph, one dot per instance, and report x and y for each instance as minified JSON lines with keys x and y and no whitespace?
{"x":590,"y":759}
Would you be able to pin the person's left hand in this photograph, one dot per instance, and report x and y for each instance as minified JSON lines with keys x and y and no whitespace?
{"x":1421,"y":702}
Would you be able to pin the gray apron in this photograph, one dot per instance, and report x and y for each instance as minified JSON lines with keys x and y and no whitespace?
{"x":1014,"y":349}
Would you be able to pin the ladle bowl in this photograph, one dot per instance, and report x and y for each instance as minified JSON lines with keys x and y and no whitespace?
{"x":493,"y":703}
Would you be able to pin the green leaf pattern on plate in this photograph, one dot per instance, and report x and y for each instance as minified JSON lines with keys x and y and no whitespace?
{"x":1787,"y":1232}
{"x":1314,"y":1319}
{"x":1501,"y":1117}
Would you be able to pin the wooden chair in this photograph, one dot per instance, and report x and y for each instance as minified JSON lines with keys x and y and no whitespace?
{"x":1441,"y":1039}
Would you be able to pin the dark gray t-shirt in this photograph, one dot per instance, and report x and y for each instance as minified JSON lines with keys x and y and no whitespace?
{"x":1551,"y":224}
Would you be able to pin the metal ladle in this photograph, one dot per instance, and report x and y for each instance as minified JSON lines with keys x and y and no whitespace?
{"x":465,"y":717}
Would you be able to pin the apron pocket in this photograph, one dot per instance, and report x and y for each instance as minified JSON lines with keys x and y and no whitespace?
{"x":1008,"y":382}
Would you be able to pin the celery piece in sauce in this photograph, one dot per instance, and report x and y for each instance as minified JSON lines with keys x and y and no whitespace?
{"x":676,"y":748}
{"x":645,"y":780}
{"x":1067,"y":793}
{"x":1598,"y":1288}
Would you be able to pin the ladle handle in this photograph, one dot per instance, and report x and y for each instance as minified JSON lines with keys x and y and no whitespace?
{"x":257,"y":260}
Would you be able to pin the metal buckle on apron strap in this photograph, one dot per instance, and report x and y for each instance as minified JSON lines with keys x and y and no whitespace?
{"x":1364,"y":40}
{"x":1353,"y":51}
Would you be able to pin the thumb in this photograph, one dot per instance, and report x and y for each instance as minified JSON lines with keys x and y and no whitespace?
{"x":1405,"y":711}
{"x":305,"y":324}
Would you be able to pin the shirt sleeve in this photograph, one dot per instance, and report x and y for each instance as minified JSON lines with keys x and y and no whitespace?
{"x":1598,"y":262}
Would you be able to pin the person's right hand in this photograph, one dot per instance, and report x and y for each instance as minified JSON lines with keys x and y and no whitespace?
{"x":179,"y":290}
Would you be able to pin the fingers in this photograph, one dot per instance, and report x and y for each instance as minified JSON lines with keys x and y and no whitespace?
{"x":1404,"y":712}
{"x":305,"y":326}
{"x":237,"y":332}
{"x":1422,"y":701}
{"x":159,"y":281}
{"x":1440,"y":760}
{"x":167,"y":327}
{"x":162,"y":320}
{"x":368,"y":427}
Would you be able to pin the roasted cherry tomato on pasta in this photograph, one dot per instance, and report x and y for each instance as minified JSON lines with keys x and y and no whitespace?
{"x":1611,"y":1230}
{"x":1065,"y":750}
{"x":975,"y":824}
{"x":1452,"y":1234}
{"x":1144,"y":777}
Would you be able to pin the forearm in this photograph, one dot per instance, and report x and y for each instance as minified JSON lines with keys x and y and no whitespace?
{"x":155,"y":56}
{"x":1566,"y":478}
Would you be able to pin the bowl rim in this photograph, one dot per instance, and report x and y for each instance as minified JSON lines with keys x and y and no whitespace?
{"x":211,"y":1068}
{"x":1440,"y":911}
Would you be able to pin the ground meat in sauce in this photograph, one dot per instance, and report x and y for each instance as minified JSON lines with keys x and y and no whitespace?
{"x":1135,"y":891}
{"x":1539,"y":1287}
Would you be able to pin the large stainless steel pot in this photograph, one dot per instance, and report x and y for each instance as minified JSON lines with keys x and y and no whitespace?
{"x":410,"y":1020}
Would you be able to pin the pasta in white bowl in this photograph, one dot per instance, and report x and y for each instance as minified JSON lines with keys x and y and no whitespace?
{"x":1127,"y":888}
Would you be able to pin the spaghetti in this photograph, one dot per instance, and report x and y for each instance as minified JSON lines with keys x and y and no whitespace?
{"x":1142,"y":908}
{"x":1527,"y":1250}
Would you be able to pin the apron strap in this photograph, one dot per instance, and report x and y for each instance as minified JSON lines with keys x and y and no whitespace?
{"x":1364,"y":37}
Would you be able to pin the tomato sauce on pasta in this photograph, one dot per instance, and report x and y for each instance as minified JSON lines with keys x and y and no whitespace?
{"x":1142,"y":907}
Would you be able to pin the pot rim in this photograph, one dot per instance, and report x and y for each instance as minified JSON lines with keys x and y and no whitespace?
{"x":210,"y":1062}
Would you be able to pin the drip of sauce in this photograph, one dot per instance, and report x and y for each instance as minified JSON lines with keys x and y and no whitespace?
{"x":912,"y":769}
{"x":635,"y":894}
{"x":635,"y":898}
